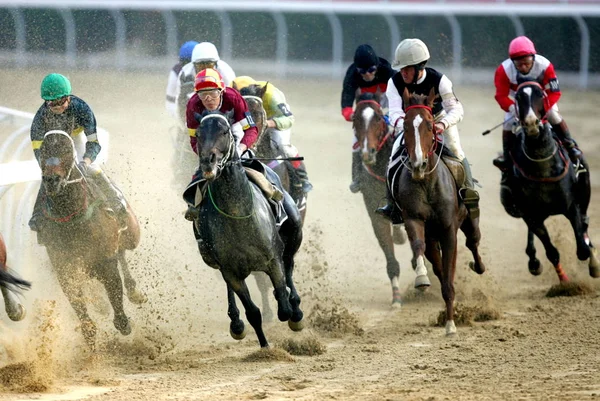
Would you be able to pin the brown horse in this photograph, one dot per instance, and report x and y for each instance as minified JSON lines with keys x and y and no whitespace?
{"x":376,"y":145}
{"x":426,"y":192}
{"x":81,"y":234}
{"x":8,"y":285}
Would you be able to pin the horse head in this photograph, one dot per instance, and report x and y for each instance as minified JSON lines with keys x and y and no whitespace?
{"x":216,"y":143}
{"x":57,"y":159}
{"x":529,"y":103}
{"x":369,"y":126}
{"x":253,"y":94}
{"x":419,"y":134}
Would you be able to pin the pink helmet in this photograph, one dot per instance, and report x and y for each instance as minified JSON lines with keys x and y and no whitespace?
{"x":520,"y":47}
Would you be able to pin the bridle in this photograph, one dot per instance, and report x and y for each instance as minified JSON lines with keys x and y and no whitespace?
{"x":226,"y":159}
{"x":433,"y":147}
{"x":384,"y":135}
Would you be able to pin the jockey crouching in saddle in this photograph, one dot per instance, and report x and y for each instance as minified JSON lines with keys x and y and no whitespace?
{"x":65,"y":112}
{"x":204,"y":55}
{"x":211,"y":95}
{"x":185,"y":57}
{"x":279,"y":122}
{"x":410,"y":58}
{"x":368,"y":73}
{"x":524,"y":65}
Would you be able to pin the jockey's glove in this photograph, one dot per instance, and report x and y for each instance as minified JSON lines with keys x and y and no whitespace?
{"x":83,"y":167}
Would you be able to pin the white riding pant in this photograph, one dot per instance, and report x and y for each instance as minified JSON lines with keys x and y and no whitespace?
{"x":553,"y":116}
{"x":283,"y":139}
{"x":79,"y":140}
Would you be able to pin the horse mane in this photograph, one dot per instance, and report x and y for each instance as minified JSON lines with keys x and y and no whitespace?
{"x":368,"y":96}
{"x":415,"y":99}
{"x":254,"y":90}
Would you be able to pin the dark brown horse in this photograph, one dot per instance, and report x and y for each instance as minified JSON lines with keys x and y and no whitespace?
{"x":81,"y":234}
{"x":8,"y":285}
{"x":376,"y":145}
{"x":426,"y":192}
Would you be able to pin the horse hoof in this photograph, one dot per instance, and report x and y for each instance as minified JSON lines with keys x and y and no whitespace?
{"x":477,"y":268}
{"x":122,"y":324}
{"x":594,"y":264}
{"x":535,"y":267}
{"x":422,"y":282}
{"x":239,"y":336}
{"x":450,"y":328}
{"x":296,"y":326}
{"x":137,"y":297}
{"x":18,"y":314}
{"x":396,"y":304}
{"x":398,"y":234}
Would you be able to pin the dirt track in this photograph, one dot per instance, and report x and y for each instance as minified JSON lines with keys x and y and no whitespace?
{"x":539,"y":349}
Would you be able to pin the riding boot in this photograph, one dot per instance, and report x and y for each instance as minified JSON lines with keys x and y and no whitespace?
{"x":37,"y":211}
{"x":192,"y":212}
{"x":115,"y":198}
{"x":356,"y":169}
{"x":390,"y":211}
{"x":302,"y":177}
{"x":469,"y":196}
{"x":504,"y":161}
{"x":562,"y":131}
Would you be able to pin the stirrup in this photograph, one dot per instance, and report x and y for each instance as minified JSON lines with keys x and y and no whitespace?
{"x":391,"y":213}
{"x":470,"y":198}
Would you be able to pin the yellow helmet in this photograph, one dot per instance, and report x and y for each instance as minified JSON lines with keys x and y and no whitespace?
{"x":243,"y":81}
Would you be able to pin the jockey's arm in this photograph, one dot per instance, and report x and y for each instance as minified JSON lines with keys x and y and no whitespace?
{"x":243,"y":122}
{"x":87,"y":121}
{"x":171,"y":94}
{"x":37,"y":134}
{"x":550,"y":84}
{"x":278,"y":110}
{"x":349,"y":89}
{"x":502,"y":84}
{"x":454,"y":109}
{"x":396,"y":107}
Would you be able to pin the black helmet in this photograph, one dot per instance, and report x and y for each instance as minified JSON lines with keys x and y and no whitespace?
{"x":365,"y":57}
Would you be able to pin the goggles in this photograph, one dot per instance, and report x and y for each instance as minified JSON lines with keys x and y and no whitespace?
{"x":209,"y":94}
{"x":57,"y":102}
{"x":369,"y":70}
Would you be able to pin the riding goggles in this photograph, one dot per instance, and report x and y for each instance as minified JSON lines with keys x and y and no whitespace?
{"x":369,"y":70}
{"x":57,"y":102}
{"x":209,"y":94}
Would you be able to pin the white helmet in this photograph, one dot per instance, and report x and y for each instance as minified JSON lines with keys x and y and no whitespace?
{"x":410,"y":52}
{"x":205,"y":51}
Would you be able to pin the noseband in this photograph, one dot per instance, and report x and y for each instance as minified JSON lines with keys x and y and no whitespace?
{"x":226,"y":160}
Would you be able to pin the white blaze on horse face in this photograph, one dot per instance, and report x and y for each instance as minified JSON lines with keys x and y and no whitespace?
{"x":367,"y":114}
{"x":418,"y":151}
{"x":531,"y":119}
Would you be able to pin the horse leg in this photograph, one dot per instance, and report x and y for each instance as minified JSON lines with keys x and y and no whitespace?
{"x":535,"y":266}
{"x":134,"y":295}
{"x":470,"y":227}
{"x":75,"y":297}
{"x":252,"y":312}
{"x":575,"y":217}
{"x":14,"y":309}
{"x":237,"y":329}
{"x":448,"y":245}
{"x":262,"y":281}
{"x":539,"y":229}
{"x":381,"y":228}
{"x":416,"y":234}
{"x":108,"y":274}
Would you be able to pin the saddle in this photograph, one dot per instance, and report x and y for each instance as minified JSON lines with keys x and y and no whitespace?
{"x":271,"y":188}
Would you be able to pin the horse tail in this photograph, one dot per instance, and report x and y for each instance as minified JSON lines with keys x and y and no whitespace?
{"x":13,"y":283}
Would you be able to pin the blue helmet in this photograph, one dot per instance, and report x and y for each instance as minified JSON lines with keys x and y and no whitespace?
{"x":185,"y":52}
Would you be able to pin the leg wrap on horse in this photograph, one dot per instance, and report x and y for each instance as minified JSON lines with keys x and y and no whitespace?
{"x":469,"y":196}
{"x":356,"y":170}
{"x":562,"y":131}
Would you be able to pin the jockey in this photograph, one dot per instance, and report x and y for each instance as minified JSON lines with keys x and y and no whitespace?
{"x":204,"y":55}
{"x":211,"y":95}
{"x":185,"y":56}
{"x":410,"y":58}
{"x":279,"y":121}
{"x":368,"y":73}
{"x":65,"y":112}
{"x":524,"y":64}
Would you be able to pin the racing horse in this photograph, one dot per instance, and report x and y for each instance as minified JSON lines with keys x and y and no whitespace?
{"x":543,"y":182}
{"x":237,"y":232}
{"x":82,"y":235}
{"x":375,"y":144}
{"x":426,"y":191}
{"x":9,"y":284}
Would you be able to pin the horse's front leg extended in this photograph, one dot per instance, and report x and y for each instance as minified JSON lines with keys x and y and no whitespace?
{"x":237,"y":329}
{"x":252,"y":312}
{"x":539,"y":229}
{"x":107,"y":272}
{"x":448,"y":245}
{"x":535,"y":267}
{"x":416,"y":235}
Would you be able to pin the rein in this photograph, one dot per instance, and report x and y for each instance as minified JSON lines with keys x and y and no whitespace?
{"x":212,"y":200}
{"x":85,"y":211}
{"x":544,"y":179}
{"x":433,"y":147}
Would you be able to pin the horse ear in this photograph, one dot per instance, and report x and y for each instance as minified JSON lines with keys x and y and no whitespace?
{"x":197,"y":116}
{"x":431,"y":97}
{"x":263,"y":90}
{"x":229,"y":116}
{"x":406,"y":97}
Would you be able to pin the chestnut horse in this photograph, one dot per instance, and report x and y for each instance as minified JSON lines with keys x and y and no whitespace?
{"x":544,"y":182}
{"x":81,"y":234}
{"x":376,"y":145}
{"x":427,"y":193}
{"x":10,"y":284}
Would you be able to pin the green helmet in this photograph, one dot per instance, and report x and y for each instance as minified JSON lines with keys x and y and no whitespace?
{"x":55,"y":86}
